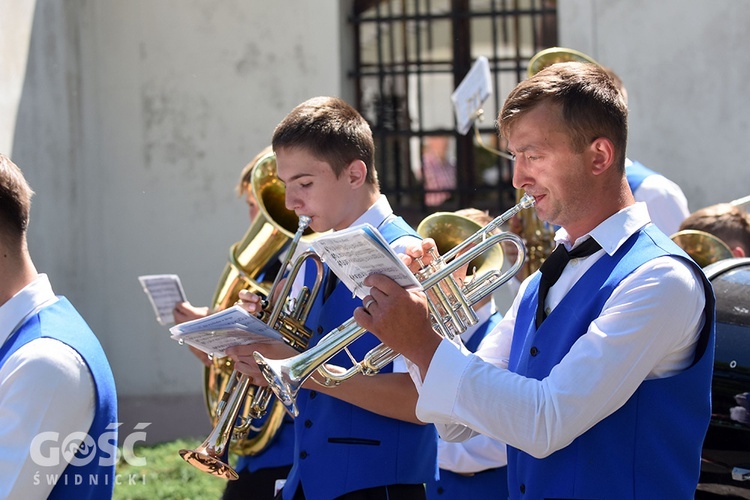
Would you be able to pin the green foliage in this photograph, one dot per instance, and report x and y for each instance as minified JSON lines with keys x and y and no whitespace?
{"x":165,"y":475}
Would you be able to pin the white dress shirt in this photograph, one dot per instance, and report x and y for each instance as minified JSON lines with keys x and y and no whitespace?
{"x":45,"y":386}
{"x":480,"y":452}
{"x":648,"y":328}
{"x":667,"y":204}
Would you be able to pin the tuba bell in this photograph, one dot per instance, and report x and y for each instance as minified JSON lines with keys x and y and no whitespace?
{"x":552,"y":55}
{"x":704,"y":248}
{"x":249,"y":265}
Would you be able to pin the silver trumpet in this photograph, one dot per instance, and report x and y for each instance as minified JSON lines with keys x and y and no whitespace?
{"x":449,"y":304}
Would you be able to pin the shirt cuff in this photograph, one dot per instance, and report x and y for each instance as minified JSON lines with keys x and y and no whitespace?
{"x":438,"y":392}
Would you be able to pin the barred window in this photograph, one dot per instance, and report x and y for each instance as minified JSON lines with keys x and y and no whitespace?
{"x":410,"y":56}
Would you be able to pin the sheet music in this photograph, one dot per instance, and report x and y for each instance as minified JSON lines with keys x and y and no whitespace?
{"x":230,"y":327}
{"x":359,"y":251}
{"x":471,"y":93}
{"x":164,"y":292}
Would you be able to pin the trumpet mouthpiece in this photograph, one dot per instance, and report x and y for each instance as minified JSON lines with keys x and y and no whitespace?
{"x":527,"y":201}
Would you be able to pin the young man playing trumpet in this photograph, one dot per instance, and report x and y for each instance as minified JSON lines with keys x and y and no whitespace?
{"x":361,"y":439}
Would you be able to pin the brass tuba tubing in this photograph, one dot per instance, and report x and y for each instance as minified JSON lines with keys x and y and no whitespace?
{"x":286,"y":376}
{"x":212,"y":455}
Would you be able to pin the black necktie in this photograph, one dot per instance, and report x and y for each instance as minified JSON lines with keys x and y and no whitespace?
{"x":553,"y":267}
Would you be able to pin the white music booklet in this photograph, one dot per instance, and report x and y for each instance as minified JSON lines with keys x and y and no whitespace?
{"x":164,"y":292}
{"x":219,"y":331}
{"x":359,"y":251}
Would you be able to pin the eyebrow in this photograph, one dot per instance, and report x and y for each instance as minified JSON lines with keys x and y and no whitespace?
{"x":295,"y":177}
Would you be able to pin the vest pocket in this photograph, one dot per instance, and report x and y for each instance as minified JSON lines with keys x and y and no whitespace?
{"x":354,"y":440}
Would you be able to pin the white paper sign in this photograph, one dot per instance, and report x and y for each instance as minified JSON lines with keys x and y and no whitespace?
{"x":164,"y":292}
{"x":471,"y":93}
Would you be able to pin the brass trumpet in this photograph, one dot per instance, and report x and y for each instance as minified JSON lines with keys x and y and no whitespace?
{"x":449,"y":304}
{"x":212,"y":455}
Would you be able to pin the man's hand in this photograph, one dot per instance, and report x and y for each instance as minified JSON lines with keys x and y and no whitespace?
{"x":185,"y":311}
{"x":400,"y":319}
{"x":419,"y":253}
{"x":250,"y":302}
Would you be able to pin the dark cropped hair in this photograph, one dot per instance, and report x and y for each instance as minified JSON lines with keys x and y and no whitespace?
{"x":15,"y":200}
{"x":590,"y":104}
{"x":332,"y":131}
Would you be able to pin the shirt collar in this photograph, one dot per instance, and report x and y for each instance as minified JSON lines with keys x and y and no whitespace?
{"x":379,"y":212}
{"x":28,"y":301}
{"x":614,"y":231}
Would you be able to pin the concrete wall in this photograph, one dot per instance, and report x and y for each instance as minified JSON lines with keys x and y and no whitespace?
{"x":134,"y":121}
{"x":684,"y":64}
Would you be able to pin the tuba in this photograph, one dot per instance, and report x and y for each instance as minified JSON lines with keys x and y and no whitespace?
{"x":249,"y":263}
{"x":449,"y":304}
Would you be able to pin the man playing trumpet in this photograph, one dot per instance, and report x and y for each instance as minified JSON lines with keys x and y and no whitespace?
{"x":601,"y":388}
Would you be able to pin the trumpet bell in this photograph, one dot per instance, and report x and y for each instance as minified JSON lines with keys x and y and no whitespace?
{"x":548,"y":57}
{"x":281,"y":381}
{"x":704,"y":248}
{"x":450,"y":230}
{"x":207,"y":461}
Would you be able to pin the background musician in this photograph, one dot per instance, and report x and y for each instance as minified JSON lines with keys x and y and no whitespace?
{"x":729,"y":223}
{"x":474,"y":468}
{"x":257,"y":473}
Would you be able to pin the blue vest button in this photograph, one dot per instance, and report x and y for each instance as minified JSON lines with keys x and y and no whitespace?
{"x":303,"y":455}
{"x":308,"y":423}
{"x":522,"y":488}
{"x":313,"y":394}
{"x":534,"y":351}
{"x":320,"y":329}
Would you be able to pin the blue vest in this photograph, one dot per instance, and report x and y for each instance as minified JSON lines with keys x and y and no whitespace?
{"x":636,"y":172}
{"x":280,"y":450}
{"x":339,"y":447}
{"x":490,"y":483}
{"x":62,"y":322}
{"x":649,"y":448}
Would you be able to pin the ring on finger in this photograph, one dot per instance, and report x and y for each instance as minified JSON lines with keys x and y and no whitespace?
{"x":369,"y":303}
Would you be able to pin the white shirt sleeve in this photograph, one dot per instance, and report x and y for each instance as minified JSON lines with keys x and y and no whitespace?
{"x":666,"y":202}
{"x":463,"y":393}
{"x":45,"y":386}
{"x":473,"y":455}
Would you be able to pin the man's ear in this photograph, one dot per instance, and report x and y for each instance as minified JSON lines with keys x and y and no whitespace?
{"x":356,"y":173}
{"x":603,"y":155}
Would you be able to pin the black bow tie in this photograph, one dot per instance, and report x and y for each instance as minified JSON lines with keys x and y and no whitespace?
{"x":553,"y":267}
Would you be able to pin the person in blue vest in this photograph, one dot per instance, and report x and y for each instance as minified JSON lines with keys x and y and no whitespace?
{"x":58,"y":404}
{"x":361,"y":439}
{"x":259,"y":472}
{"x":667,"y":204}
{"x":598,"y":382}
{"x":474,"y":468}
